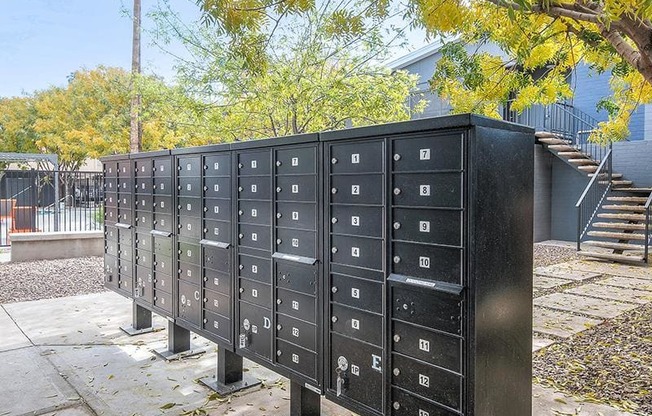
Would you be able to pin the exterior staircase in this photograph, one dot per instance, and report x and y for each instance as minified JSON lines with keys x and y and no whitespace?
{"x":614,"y":214}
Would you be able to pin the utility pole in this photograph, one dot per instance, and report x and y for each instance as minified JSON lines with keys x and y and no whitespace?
{"x":135,"y":136}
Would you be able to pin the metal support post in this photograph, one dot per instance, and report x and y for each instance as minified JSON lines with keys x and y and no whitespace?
{"x":141,"y":321}
{"x":303,"y":402}
{"x":229,"y":376}
{"x":178,"y":344}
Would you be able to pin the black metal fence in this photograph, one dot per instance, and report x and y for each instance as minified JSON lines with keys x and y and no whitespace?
{"x":49,"y":201}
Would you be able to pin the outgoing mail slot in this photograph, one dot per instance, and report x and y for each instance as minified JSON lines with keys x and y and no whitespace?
{"x":217,"y":165}
{"x":255,"y":212}
{"x":255,"y":330}
{"x":189,"y":303}
{"x":162,"y":167}
{"x":144,"y":185}
{"x":429,"y":346}
{"x":217,"y":281}
{"x":189,"y":272}
{"x":300,"y":160}
{"x":255,"y":236}
{"x":189,"y":186}
{"x":428,"y":381}
{"x":163,"y":300}
{"x":363,"y":372}
{"x":110,"y":199}
{"x":296,"y":359}
{"x":163,"y":264}
{"x":189,"y":253}
{"x":296,"y":331}
{"x":162,"y":222}
{"x":143,"y":168}
{"x":428,"y":262}
{"x":357,"y":189}
{"x":429,"y":308}
{"x":217,"y":258}
{"x":428,"y":190}
{"x":110,"y":214}
{"x":189,"y":166}
{"x":357,"y":251}
{"x":254,"y":163}
{"x":358,"y":293}
{"x":217,"y":187}
{"x":189,"y":206}
{"x":256,"y":293}
{"x":302,"y":188}
{"x":255,"y":187}
{"x":217,"y":231}
{"x":144,"y":203}
{"x":163,"y":246}
{"x":357,"y":157}
{"x":143,"y":241}
{"x":189,"y":227}
{"x":296,"y":215}
{"x":357,"y":324}
{"x":163,"y":186}
{"x":255,"y":268}
{"x":428,"y":226}
{"x":217,"y":209}
{"x":296,"y":242}
{"x":297,"y":305}
{"x":143,"y":219}
{"x":297,"y":277}
{"x":163,"y":282}
{"x":124,"y":201}
{"x":217,"y":302}
{"x":357,"y":220}
{"x":217,"y":325}
{"x":405,"y":404}
{"x":428,"y":153}
{"x":163,"y":204}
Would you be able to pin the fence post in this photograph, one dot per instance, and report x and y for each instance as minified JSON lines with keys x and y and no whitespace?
{"x":56,"y":200}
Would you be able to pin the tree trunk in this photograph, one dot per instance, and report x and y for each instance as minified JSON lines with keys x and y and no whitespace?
{"x":135,"y":136}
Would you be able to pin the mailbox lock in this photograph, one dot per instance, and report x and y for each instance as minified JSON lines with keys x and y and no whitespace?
{"x":240,"y":212}
{"x":205,"y":229}
{"x":205,"y":320}
{"x":180,"y":251}
{"x":279,"y":301}
{"x":241,"y":267}
{"x":278,"y":189}
{"x":278,"y":353}
{"x":205,"y":209}
{"x":240,"y":188}
{"x":397,"y":338}
{"x":397,"y":259}
{"x":333,"y":220}
{"x":278,"y":163}
{"x":205,"y":188}
{"x":205,"y":279}
{"x":333,"y":190}
{"x":240,"y":165}
{"x":333,"y":161}
{"x":278,"y":241}
{"x":396,"y":371}
{"x":397,"y":225}
{"x":205,"y":167}
{"x":279,"y":215}
{"x":334,"y":250}
{"x":397,"y":191}
{"x":242,"y":290}
{"x":396,"y":405}
{"x":334,"y":289}
{"x":240,"y":235}
{"x":397,"y":157}
{"x":279,"y":327}
{"x":178,"y":167}
{"x":179,"y":187}
{"x":334,"y":319}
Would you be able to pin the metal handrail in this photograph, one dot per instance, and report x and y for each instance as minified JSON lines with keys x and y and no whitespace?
{"x":589,"y":194}
{"x":647,"y":227}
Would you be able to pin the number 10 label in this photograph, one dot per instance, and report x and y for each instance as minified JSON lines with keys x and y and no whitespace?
{"x":424,"y":262}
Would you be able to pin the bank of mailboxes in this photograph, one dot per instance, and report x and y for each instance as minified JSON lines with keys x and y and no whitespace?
{"x":386,"y":267}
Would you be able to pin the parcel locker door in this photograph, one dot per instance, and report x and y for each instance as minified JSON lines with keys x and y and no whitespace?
{"x":357,"y":157}
{"x":189,"y":302}
{"x":359,"y":366}
{"x":442,"y":190}
{"x":428,"y":262}
{"x":432,"y":153}
{"x":296,"y":215}
{"x":298,"y":160}
{"x":254,"y":163}
{"x":110,"y":272}
{"x":428,"y":226}
{"x":163,"y":246}
{"x":217,"y":165}
{"x":429,"y":308}
{"x":357,"y":189}
{"x":254,"y":333}
{"x":144,"y":284}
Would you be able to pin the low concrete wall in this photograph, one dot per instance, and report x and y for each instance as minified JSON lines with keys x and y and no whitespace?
{"x":60,"y":245}
{"x":634,"y":160}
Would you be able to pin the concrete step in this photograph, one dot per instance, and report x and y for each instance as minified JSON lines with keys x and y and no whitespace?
{"x":613,"y":257}
{"x":633,"y":199}
{"x":604,"y":175}
{"x":635,"y":190}
{"x":619,"y":236}
{"x":619,"y":225}
{"x":583,"y":162}
{"x":632,"y":208}
{"x":621,"y":183}
{"x":559,"y":148}
{"x":630,"y":217}
{"x":553,"y":140}
{"x":571,"y":154}
{"x":588,"y":168}
{"x":615,"y":246}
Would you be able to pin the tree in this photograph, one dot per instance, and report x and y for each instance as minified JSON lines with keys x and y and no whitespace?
{"x":135,"y":133}
{"x":543,"y":41}
{"x":306,"y":79}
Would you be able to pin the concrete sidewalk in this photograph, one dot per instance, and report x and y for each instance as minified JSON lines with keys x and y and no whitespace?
{"x":67,"y":356}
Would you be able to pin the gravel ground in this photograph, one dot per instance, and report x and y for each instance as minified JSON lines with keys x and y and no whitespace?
{"x":610,"y":363}
{"x":547,"y":255}
{"x":47,"y":279}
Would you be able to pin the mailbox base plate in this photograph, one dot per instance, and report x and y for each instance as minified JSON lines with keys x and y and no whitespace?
{"x":224,"y":389}
{"x":131,"y":331}
{"x":168,"y":355}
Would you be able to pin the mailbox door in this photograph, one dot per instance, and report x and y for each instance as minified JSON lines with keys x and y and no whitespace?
{"x":428,"y":262}
{"x":296,"y":161}
{"x":189,"y":227}
{"x":296,"y":331}
{"x":432,"y":347}
{"x":296,"y":215}
{"x":428,"y":226}
{"x":217,"y":165}
{"x":296,"y":188}
{"x":406,"y":404}
{"x":189,"y":302}
{"x":255,"y":236}
{"x":189,"y":166}
{"x":441,"y":190}
{"x":357,"y":157}
{"x":431,"y":153}
{"x":254,"y":332}
{"x":217,"y":325}
{"x":217,"y":209}
{"x":357,"y":189}
{"x":189,"y":186}
{"x":217,"y":281}
{"x":357,"y":251}
{"x":217,"y":231}
{"x":297,"y":305}
{"x":255,"y":212}
{"x":255,"y":187}
{"x":296,"y":242}
{"x":254,"y":163}
{"x":217,"y":303}
{"x":255,"y":268}
{"x":217,"y":187}
{"x":358,"y":293}
{"x":256,"y":293}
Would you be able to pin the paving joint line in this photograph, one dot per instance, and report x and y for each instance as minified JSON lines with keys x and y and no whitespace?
{"x":17,"y":326}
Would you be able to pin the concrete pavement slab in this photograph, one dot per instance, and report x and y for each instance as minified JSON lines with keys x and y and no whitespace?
{"x":613,"y":269}
{"x":540,"y":343}
{"x":12,"y":337}
{"x":562,"y":271}
{"x":77,"y":320}
{"x":612,"y":292}
{"x":630,"y":282}
{"x":71,"y":411}
{"x":600,"y":308}
{"x":31,"y":385}
{"x":546,"y":401}
{"x":561,"y":324}
{"x":546,"y":282}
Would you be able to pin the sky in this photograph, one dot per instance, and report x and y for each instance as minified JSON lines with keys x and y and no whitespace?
{"x":44,"y":41}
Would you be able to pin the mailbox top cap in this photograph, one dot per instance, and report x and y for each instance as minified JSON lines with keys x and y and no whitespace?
{"x":153,"y":153}
{"x":219,"y":147}
{"x":277,"y":141}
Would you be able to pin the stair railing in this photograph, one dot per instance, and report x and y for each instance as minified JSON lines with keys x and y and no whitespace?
{"x":589,"y":203}
{"x":647,"y":228}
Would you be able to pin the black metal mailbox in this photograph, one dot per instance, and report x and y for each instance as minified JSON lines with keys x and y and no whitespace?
{"x":386,"y":267}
